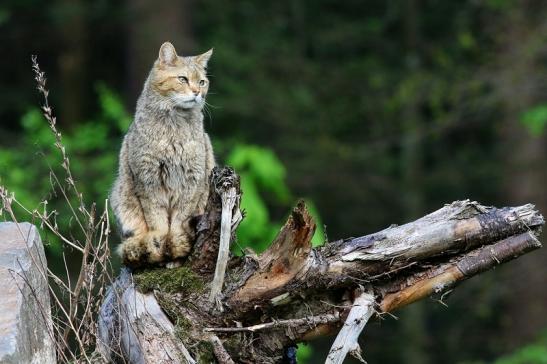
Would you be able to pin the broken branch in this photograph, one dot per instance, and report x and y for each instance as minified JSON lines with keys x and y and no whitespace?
{"x":442,"y":278}
{"x":310,"y":321}
{"x":228,"y":197}
{"x":221,"y":354}
{"x":293,"y":293}
{"x":447,"y":232}
{"x":346,"y":341}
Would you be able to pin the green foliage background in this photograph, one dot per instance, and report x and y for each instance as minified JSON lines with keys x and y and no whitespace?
{"x":93,"y":148}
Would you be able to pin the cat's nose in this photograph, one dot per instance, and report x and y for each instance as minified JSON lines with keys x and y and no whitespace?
{"x":196,"y":92}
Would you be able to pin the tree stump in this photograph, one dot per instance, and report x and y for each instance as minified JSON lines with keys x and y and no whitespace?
{"x":292,"y":292}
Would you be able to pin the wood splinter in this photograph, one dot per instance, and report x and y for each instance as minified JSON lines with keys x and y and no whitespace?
{"x":310,"y":321}
{"x":229,"y":199}
{"x":346,"y":341}
{"x":220,"y":352}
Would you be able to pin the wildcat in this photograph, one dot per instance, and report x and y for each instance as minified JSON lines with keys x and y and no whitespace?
{"x":165,"y":161}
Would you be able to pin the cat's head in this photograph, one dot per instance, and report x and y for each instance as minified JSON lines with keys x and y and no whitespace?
{"x":182,"y":80}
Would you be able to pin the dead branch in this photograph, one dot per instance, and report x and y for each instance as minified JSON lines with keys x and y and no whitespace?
{"x":346,"y":341}
{"x":404,"y":290}
{"x":220,"y":352}
{"x":311,"y":321}
{"x":442,"y":278}
{"x":205,"y":252}
{"x":455,"y":228}
{"x":133,"y":324}
{"x":229,"y":198}
{"x":281,"y":263}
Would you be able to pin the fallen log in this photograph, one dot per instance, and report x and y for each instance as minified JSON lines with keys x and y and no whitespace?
{"x":293,"y":293}
{"x":453,"y":229}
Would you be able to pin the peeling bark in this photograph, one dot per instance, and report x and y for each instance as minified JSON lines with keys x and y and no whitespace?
{"x":280,"y":265}
{"x":455,"y":228}
{"x":230,"y":200}
{"x":221,"y":354}
{"x":442,"y":278}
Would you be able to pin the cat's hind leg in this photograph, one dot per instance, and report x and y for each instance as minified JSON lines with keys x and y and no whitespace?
{"x":182,"y":234}
{"x":156,"y":240}
{"x":130,"y":218}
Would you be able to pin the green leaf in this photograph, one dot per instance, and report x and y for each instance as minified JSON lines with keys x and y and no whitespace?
{"x":535,"y":353}
{"x":256,"y":223}
{"x":303,"y":353}
{"x":112,"y":107}
{"x":265,"y":168}
{"x":535,"y":119}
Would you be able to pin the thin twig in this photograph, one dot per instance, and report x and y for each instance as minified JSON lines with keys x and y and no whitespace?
{"x":310,"y":321}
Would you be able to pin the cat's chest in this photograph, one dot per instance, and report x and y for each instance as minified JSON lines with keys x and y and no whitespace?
{"x":178,"y":152}
{"x":182,"y":162}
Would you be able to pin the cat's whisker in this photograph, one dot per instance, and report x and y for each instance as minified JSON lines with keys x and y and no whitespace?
{"x":212,"y":106}
{"x":208,"y":112}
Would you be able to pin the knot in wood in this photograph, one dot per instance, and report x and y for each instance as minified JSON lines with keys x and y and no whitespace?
{"x":224,"y":178}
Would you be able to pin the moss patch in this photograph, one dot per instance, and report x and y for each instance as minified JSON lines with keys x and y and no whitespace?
{"x":182,"y":328}
{"x":204,"y":352}
{"x":166,"y":280}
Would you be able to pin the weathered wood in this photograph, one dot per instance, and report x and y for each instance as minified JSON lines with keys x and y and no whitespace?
{"x":455,"y":228}
{"x":403,"y":290}
{"x":292,"y":293}
{"x":444,"y":277}
{"x":205,"y":252}
{"x":310,"y":321}
{"x":346,"y":340}
{"x":281,"y":263}
{"x":229,"y":199}
{"x":221,"y":354}
{"x":133,"y":327}
{"x":459,"y":226}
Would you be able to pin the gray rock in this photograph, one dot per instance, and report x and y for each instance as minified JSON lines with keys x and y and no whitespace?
{"x":25,"y":312}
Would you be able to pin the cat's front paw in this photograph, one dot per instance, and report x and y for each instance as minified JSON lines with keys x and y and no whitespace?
{"x":132,"y":251}
{"x":173,"y":265}
{"x":181,"y":245}
{"x":156,"y":246}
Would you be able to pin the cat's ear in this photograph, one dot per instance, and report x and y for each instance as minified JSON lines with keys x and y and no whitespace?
{"x":168,"y":54}
{"x":202,"y":59}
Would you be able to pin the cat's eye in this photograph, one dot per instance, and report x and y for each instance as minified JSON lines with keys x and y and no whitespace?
{"x":202,"y":83}
{"x":183,"y":79}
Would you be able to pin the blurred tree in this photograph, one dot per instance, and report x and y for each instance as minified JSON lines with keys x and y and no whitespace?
{"x":70,"y":18}
{"x":149,"y":24}
{"x":535,"y":353}
{"x":519,"y":89}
